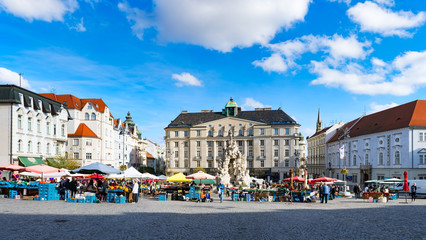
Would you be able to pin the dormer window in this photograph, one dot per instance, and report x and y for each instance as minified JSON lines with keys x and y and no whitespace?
{"x":89,"y":106}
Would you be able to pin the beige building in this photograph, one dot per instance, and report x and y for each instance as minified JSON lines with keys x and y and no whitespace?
{"x":269,"y":139}
{"x":317,"y":148}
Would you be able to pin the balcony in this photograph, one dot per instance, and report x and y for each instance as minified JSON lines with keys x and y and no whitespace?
{"x":365,"y":167}
{"x":218,"y":157}
{"x":210,"y":158}
{"x":197,"y":158}
{"x":250,"y":157}
{"x":261,"y":157}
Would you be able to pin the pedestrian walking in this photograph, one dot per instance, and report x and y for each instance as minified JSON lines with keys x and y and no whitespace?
{"x":220,"y":191}
{"x":325,"y":192}
{"x":135,"y":191}
{"x":320,"y":190}
{"x":356,"y":191}
{"x":413,"y":192}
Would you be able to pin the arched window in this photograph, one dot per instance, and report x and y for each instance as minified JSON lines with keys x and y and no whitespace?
{"x":48,"y":148}
{"x":57,"y":149}
{"x":366,"y":159}
{"x":354,"y":160}
{"x":63,"y":130}
{"x":250,"y":132}
{"x":93,"y":116}
{"x":38,"y":147}
{"x":89,"y":106}
{"x":29,"y":146}
{"x":19,"y":121}
{"x":20,"y":146}
{"x":381,"y":158}
{"x":219,"y":133}
{"x":240,"y":132}
{"x":210,"y":133}
{"x":86,"y":116}
{"x":397,"y":158}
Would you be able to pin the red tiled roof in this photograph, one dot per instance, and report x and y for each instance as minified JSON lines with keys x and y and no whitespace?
{"x":412,"y":114}
{"x":148,"y":155}
{"x":115,"y":122}
{"x":77,"y":103}
{"x":83,"y":131}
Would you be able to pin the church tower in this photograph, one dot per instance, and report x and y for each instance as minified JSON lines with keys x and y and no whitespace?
{"x":319,"y":121}
{"x":231,"y":108}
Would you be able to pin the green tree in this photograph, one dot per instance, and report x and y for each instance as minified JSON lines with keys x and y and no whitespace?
{"x":64,"y":162}
{"x":197,"y":169}
{"x":123,"y":167}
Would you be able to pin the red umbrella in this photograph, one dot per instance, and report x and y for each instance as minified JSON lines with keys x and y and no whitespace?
{"x":324,"y":179}
{"x":42,"y":169}
{"x":11,"y":167}
{"x":405,"y":188}
{"x":296,"y":179}
{"x":96,"y":176}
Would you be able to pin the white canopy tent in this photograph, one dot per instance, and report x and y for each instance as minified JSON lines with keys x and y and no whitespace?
{"x":129,"y":173}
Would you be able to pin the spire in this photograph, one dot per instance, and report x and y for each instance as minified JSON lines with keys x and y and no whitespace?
{"x":319,"y":121}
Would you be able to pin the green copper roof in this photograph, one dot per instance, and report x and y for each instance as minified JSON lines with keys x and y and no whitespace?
{"x":231,"y":103}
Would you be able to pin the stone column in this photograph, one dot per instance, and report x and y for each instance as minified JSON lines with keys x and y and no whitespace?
{"x":214,"y":150}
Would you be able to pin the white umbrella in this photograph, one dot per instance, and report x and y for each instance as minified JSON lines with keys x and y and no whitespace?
{"x":162,"y":177}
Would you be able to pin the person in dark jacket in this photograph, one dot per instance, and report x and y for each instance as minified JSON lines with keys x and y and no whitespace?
{"x":413,"y":192}
{"x":73,"y":187}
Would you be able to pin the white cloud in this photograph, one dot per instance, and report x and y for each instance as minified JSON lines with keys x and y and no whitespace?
{"x":274,"y":63}
{"x":251,"y":104}
{"x":341,"y":1}
{"x":338,"y":48}
{"x":221,"y":24}
{"x":9,"y":77}
{"x":186,"y":79}
{"x":79,"y":27}
{"x":45,"y":10}
{"x":381,"y":20}
{"x":402,"y":77}
{"x":307,"y":131}
{"x":377,"y":108}
{"x":385,"y":2}
{"x":138,"y":19}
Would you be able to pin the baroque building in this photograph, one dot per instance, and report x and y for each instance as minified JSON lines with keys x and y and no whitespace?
{"x":381,"y":145}
{"x":317,"y":148}
{"x":33,"y":129}
{"x":269,"y":140}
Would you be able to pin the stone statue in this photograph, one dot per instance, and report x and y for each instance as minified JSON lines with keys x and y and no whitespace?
{"x":232,"y":167}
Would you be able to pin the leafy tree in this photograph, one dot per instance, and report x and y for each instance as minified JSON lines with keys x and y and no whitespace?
{"x":64,"y":162}
{"x":123,"y":167}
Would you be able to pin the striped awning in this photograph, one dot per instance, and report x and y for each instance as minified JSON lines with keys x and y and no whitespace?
{"x":31,"y":161}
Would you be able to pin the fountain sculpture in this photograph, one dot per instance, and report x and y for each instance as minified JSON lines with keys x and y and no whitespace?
{"x":233,"y":167}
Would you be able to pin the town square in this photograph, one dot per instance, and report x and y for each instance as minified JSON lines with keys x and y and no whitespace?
{"x":221,"y":119}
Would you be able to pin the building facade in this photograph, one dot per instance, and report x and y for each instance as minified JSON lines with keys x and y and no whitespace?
{"x":269,"y":140}
{"x":381,"y":145}
{"x":34,"y":128}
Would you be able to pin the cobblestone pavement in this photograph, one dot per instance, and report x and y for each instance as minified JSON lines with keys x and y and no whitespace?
{"x":151,"y":219}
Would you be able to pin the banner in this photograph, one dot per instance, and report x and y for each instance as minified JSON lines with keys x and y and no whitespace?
{"x":342,"y":152}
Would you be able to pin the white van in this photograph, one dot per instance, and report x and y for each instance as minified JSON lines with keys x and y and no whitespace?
{"x":421,"y":187}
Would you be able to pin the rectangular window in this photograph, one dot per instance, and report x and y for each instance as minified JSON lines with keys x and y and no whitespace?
{"x":88,"y":142}
{"x":262,"y":153}
{"x":262,"y":163}
{"x":75,"y":142}
{"x":250,"y":153}
{"x":262,"y":131}
{"x":176,"y":134}
{"x":287,"y":142}
{"x":198,"y":163}
{"x":250,"y":164}
{"x":287,"y":163}
{"x":48,"y":128}
{"x":380,"y":177}
{"x":186,"y":154}
{"x":198,"y":133}
{"x":210,"y":164}
{"x":240,"y":143}
{"x":176,"y":154}
{"x":210,"y":153}
{"x":19,"y":122}
{"x":186,"y":163}
{"x":262,"y":142}
{"x":276,"y":142}
{"x":76,"y":155}
{"x":276,"y":131}
{"x":421,"y":137}
{"x":219,"y":144}
{"x":38,"y":125}
{"x":88,"y":155}
{"x":198,"y":154}
{"x":421,"y":159}
{"x":54,"y":129}
{"x":287,"y":131}
{"x":176,"y":164}
{"x":176,"y":144}
{"x":276,"y":153}
{"x":287,"y":153}
{"x":275,"y":163}
{"x":209,"y":144}
{"x":30,"y":124}
{"x":185,"y":144}
{"x":185,"y":133}
{"x":198,"y":143}
{"x":250,"y":143}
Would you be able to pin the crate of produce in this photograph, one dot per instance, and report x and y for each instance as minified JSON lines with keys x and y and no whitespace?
{"x":235,"y":197}
{"x":162,"y":197}
{"x":121,"y":199}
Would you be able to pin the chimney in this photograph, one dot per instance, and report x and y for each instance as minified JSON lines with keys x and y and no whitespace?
{"x":263,"y":109}
{"x":206,"y":111}
{"x":184,"y":111}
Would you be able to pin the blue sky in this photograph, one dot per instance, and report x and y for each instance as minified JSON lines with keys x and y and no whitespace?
{"x":157,"y":58}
